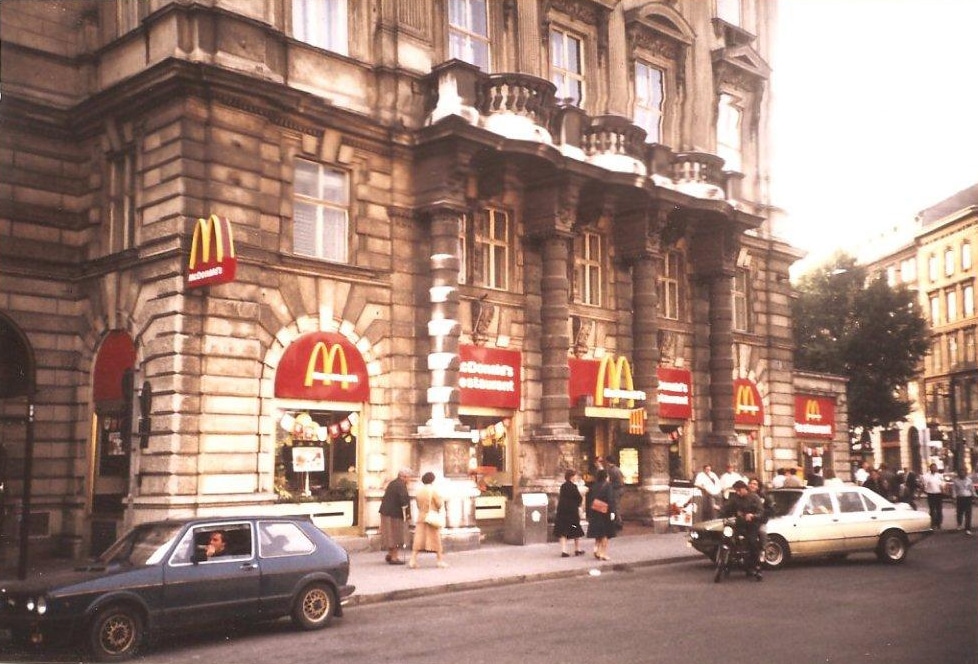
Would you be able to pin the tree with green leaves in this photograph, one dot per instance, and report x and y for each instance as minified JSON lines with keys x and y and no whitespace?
{"x":869,"y":332}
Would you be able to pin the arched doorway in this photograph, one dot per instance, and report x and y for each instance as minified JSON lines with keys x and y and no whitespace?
{"x":17,"y":390}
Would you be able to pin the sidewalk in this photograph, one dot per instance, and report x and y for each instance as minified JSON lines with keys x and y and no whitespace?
{"x":505,"y":564}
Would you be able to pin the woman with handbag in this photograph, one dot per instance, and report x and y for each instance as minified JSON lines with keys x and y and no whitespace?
{"x":601,"y":514}
{"x":431,"y":519}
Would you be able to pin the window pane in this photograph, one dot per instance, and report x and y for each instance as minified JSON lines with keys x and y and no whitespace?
{"x":306,"y":178}
{"x":501,"y":280}
{"x":304,"y":229}
{"x":334,"y":187}
{"x":334,"y":235}
{"x":557,"y":50}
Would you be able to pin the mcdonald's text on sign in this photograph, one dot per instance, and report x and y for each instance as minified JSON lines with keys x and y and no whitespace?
{"x":489,"y":377}
{"x":608,"y":382}
{"x":212,"y":259}
{"x":814,"y":416}
{"x":747,"y":403}
{"x":675,"y":393}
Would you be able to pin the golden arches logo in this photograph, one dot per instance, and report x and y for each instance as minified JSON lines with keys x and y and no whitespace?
{"x":813,"y":412}
{"x":744,"y":400}
{"x":200,"y":247}
{"x":327,"y":357}
{"x":615,"y":382}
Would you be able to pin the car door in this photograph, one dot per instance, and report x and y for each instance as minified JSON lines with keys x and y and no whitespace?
{"x":860,"y":520}
{"x":219,"y":588}
{"x":817,"y":530}
{"x":287,"y":556}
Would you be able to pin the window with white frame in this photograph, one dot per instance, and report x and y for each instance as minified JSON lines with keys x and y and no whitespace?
{"x":649,"y":100}
{"x":948,"y":262}
{"x":491,"y":239}
{"x":966,"y":256}
{"x":729,"y":121}
{"x":321,"y":23}
{"x":587,"y":268}
{"x":567,"y":66}
{"x":937,"y":351}
{"x":908,"y":270}
{"x":122,"y":200}
{"x":935,"y":310}
{"x":669,"y":280}
{"x":969,"y":345}
{"x":321,"y":223}
{"x":891,"y":274}
{"x":968,"y":293}
{"x":741,"y":300}
{"x":952,"y":350}
{"x":468,"y":32}
{"x":951,"y":298}
{"x":932,"y":267}
{"x":729,"y":11}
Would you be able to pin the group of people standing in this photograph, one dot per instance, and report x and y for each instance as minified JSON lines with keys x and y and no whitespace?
{"x":603,"y":517}
{"x":395,"y":515}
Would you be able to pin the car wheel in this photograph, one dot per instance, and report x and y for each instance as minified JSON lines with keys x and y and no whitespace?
{"x":314,"y":606}
{"x":892,"y":547}
{"x":776,"y":552}
{"x":116,"y":633}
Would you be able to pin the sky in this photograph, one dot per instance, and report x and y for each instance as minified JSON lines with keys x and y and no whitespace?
{"x":875,"y":115}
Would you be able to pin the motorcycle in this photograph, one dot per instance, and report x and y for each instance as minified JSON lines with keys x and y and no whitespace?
{"x":733,"y":551}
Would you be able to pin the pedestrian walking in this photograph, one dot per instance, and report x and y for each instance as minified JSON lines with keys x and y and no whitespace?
{"x":709,"y":485}
{"x":910,"y":488}
{"x":932,"y":483}
{"x":394,"y":508}
{"x":567,"y":519}
{"x":601,"y":515}
{"x":617,"y":480}
{"x":427,"y":530}
{"x":963,"y":490}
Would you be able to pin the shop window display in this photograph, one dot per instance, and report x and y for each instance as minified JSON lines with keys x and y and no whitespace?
{"x":316,"y":456}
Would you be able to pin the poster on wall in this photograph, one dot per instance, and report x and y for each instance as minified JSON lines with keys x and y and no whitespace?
{"x":681,"y":505}
{"x":113,"y":459}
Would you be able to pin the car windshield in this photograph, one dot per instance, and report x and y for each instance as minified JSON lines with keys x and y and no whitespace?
{"x":143,"y":545}
{"x":784,"y":501}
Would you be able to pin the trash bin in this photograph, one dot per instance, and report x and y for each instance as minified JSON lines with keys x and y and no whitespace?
{"x":526,"y":520}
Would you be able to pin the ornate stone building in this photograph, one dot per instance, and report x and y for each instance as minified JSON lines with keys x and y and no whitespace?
{"x":260,"y":254}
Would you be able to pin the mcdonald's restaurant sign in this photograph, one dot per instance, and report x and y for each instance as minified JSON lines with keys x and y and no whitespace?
{"x":212,"y":260}
{"x":322,"y":366}
{"x":605,"y":383}
{"x":675,"y":394}
{"x":814,"y":416}
{"x":747,"y":403}
{"x":489,"y":377}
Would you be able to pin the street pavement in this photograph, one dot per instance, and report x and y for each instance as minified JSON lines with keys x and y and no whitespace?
{"x":495,"y":564}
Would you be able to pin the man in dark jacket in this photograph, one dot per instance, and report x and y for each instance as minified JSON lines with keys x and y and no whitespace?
{"x":748,"y":508}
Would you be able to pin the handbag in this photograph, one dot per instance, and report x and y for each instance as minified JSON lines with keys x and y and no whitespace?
{"x":599,"y":506}
{"x":434,"y":519}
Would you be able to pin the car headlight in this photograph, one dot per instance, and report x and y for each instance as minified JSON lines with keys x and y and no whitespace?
{"x":38,"y":605}
{"x":727,"y":531}
{"x":694,"y":535}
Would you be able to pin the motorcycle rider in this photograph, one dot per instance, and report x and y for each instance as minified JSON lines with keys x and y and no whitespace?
{"x":748,"y":508}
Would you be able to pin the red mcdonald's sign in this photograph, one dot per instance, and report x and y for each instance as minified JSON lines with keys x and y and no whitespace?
{"x":814,"y":416}
{"x":675,"y":393}
{"x":489,"y":377}
{"x":606,"y":383}
{"x":747,"y":403}
{"x":212,"y":259}
{"x":322,"y":366}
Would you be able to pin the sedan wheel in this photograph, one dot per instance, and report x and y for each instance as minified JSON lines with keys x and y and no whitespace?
{"x":314,"y":606}
{"x":892,"y":547}
{"x":116,"y":634}
{"x":776,"y":552}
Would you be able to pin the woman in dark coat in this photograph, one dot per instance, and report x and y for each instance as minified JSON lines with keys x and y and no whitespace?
{"x":601,"y":521}
{"x":393,"y":516}
{"x":567,"y":520}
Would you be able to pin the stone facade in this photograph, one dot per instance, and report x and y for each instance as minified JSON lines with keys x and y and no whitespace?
{"x":384,"y":192}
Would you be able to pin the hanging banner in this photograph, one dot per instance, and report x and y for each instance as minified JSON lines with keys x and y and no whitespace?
{"x":322,"y":366}
{"x":489,"y":377}
{"x":747,"y":403}
{"x":212,"y":260}
{"x":675,"y":393}
{"x":814,"y":416}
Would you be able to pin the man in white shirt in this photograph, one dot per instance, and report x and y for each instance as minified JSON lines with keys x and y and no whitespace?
{"x":709,"y":485}
{"x":728,"y":479}
{"x":861,"y":474}
{"x":933,"y":484}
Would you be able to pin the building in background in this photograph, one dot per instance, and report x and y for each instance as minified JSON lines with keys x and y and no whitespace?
{"x":934,"y":256}
{"x":259,"y":255}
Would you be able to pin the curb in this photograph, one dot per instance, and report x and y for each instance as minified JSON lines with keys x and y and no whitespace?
{"x":479,"y":584}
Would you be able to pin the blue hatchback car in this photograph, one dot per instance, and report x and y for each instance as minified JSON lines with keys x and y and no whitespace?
{"x":174,"y":575}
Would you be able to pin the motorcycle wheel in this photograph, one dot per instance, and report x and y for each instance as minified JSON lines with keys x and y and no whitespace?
{"x":723,"y":564}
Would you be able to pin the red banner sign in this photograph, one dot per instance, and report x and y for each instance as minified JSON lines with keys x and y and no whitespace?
{"x":814,"y":416}
{"x":322,"y":366}
{"x":747,"y":403}
{"x":605,"y":383}
{"x":675,"y":394}
{"x":489,"y":377}
{"x":212,"y":259}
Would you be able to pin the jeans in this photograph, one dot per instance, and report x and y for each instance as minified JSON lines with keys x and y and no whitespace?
{"x":935,"y":503}
{"x":963,"y":506}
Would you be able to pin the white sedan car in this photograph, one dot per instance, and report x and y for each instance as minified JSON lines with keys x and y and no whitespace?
{"x":833,"y":520}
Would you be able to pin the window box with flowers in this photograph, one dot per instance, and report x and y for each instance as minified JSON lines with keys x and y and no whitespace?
{"x":491,"y":502}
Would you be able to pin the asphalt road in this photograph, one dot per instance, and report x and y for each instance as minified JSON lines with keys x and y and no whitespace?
{"x":852,"y":611}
